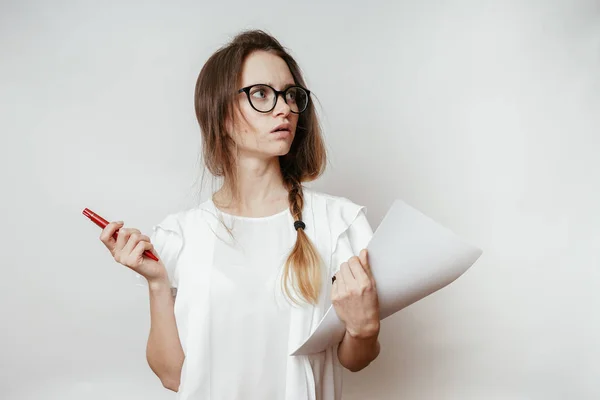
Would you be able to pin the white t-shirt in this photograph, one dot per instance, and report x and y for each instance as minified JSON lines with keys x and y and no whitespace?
{"x":249,"y":321}
{"x":236,"y":327}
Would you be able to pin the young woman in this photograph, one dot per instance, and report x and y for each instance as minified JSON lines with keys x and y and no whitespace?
{"x":245,"y":277}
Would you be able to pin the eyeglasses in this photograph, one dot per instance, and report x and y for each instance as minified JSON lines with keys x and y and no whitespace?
{"x":263,"y":98}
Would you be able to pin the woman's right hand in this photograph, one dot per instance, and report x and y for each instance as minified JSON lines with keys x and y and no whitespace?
{"x":128,"y":250}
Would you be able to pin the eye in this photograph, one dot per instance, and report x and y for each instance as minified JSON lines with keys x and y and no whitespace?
{"x":259,"y":93}
{"x":291,"y":95}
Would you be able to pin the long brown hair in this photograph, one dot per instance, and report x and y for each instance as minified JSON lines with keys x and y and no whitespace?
{"x":214,"y":101}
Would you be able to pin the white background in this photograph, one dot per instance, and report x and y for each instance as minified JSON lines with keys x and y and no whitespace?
{"x":484,"y":115}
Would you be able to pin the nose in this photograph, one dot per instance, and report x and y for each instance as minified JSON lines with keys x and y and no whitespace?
{"x":281,"y":107}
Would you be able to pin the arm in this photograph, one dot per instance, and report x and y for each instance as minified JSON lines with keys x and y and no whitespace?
{"x":164,"y":352}
{"x":356,"y":353}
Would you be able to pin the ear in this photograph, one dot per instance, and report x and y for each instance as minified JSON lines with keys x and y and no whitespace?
{"x":233,"y":123}
{"x":229,"y":126}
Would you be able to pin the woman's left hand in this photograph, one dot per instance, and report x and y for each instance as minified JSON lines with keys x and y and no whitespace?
{"x":354,"y":297}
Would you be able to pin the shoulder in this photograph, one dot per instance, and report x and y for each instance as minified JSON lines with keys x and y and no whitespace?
{"x":336,"y":206}
{"x":337,"y":214}
{"x":178,"y":221}
{"x":346,"y":224}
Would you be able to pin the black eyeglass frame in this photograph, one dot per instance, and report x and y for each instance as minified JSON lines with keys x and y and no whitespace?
{"x":277,"y":93}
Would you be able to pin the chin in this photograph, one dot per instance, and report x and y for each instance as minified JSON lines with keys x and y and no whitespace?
{"x":281,"y":152}
{"x":280,"y":147}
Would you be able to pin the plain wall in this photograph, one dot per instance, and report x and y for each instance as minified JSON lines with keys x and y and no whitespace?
{"x":484,"y":115}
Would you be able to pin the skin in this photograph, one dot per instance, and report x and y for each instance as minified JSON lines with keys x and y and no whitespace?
{"x":262,"y":193}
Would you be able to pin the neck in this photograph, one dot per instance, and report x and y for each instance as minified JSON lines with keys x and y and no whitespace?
{"x":260,"y":189}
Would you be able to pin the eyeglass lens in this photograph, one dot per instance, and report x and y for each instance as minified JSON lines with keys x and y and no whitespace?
{"x":263,"y":98}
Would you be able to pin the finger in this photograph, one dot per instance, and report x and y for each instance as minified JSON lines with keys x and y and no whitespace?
{"x":346,"y":267}
{"x":364,"y":260}
{"x":136,"y":257}
{"x":340,"y":282}
{"x":348,"y":278}
{"x":122,"y":238}
{"x":358,"y":271}
{"x":131,"y":231}
{"x":132,"y":242}
{"x":141,"y":236}
{"x":106,"y":236}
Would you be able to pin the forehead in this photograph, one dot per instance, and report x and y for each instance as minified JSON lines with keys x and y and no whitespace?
{"x":265,"y":67}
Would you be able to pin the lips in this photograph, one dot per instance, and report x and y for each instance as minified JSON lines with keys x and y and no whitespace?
{"x":282,"y":128}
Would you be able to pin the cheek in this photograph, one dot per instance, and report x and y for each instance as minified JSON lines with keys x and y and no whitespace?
{"x":250,"y":122}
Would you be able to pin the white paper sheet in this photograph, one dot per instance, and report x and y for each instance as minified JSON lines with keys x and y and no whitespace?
{"x":411,"y":257}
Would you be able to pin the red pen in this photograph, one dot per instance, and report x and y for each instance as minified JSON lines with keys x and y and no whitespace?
{"x":101,"y":222}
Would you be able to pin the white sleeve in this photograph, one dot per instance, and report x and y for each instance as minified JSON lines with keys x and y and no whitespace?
{"x":167,"y":239}
{"x":352,"y":240}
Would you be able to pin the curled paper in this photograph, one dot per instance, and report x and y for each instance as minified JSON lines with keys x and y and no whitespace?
{"x":411,"y":257}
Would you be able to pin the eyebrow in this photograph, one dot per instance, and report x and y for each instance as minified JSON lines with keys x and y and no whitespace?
{"x":287,"y":85}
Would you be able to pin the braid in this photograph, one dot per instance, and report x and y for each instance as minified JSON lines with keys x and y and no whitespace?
{"x":296,"y":199}
{"x":303,"y":266}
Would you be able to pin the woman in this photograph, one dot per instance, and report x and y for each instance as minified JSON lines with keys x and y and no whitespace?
{"x":253,"y":266}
